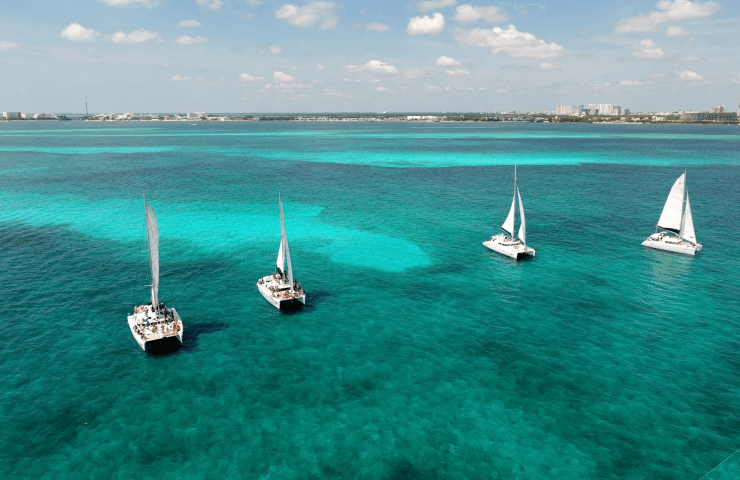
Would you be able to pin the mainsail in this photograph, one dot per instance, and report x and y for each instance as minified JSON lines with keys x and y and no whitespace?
{"x":522,"y":227}
{"x":152,"y":232}
{"x":284,"y":246}
{"x":688,"y":223}
{"x":508,"y":225}
{"x":670,"y":219}
{"x":281,"y":258}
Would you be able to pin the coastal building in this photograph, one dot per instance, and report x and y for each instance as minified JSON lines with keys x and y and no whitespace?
{"x":604,"y":109}
{"x":719,"y":117}
{"x":569,"y":110}
{"x":718,"y":109}
{"x":45,"y":116}
{"x":12,"y":115}
{"x":195,"y":115}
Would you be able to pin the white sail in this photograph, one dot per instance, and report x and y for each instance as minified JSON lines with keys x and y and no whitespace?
{"x":508,"y":225}
{"x":281,"y":258}
{"x":522,"y":226}
{"x":670,"y":219}
{"x":152,"y":231}
{"x":284,"y":243}
{"x":688,"y":223}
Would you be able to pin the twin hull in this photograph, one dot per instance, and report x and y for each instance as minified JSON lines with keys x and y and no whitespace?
{"x":152,"y":336}
{"x":279,"y":303}
{"x":685,"y":249}
{"x":511,"y":249}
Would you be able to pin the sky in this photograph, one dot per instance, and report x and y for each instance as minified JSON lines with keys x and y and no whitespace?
{"x":366,"y":56}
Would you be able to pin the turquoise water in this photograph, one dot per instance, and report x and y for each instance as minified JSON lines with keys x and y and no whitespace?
{"x":420,"y":354}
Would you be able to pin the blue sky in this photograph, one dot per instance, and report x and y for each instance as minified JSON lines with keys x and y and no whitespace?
{"x":352,"y":55}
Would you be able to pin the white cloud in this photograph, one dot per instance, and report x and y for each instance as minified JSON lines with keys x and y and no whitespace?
{"x":630,"y":83}
{"x":411,"y":74}
{"x":320,"y":67}
{"x":381,"y":89}
{"x":689,"y":75}
{"x":668,"y":11}
{"x":689,"y":58}
{"x":655,"y":75}
{"x":275,"y":49}
{"x":6,"y":45}
{"x":469,"y":13}
{"x":427,"y":5}
{"x":446,"y":62}
{"x":546,"y":66}
{"x":282,"y":77}
{"x":431,"y":88}
{"x":179,"y":78}
{"x":188,"y":40}
{"x":374,"y":80}
{"x":211,"y":4}
{"x":310,"y":14}
{"x":132,"y":3}
{"x":647,"y":49}
{"x":137,"y":36}
{"x":375,"y":66}
{"x":78,"y":33}
{"x":378,"y":27}
{"x":330,"y":93}
{"x":189,"y":23}
{"x":510,"y":41}
{"x":676,"y":31}
{"x":457,"y":72}
{"x":426,"y":25}
{"x":245,"y":77}
{"x":290,"y":87}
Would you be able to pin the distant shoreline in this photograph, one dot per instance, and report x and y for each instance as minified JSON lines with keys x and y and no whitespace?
{"x":632,"y":119}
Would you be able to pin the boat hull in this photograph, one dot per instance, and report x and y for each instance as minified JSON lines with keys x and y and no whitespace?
{"x":675,"y":248}
{"x":512,"y":249}
{"x":669,"y":243}
{"x":148,"y":328}
{"x":284,"y":302}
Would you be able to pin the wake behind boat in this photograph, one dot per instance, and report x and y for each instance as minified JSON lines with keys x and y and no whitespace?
{"x":280,"y":289}
{"x":154,"y":322}
{"x":677,"y":223}
{"x":507,"y":244}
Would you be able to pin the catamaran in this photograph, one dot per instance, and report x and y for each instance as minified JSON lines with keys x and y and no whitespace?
{"x":507,"y":244}
{"x":678,"y":233}
{"x":154,"y":322}
{"x":279,"y":288}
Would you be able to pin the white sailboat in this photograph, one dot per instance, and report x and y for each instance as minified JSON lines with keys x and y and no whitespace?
{"x":677,"y":223}
{"x":279,"y":288}
{"x":154,"y":322}
{"x":507,"y":244}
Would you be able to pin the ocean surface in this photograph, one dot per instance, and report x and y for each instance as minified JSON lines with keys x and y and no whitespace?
{"x":420,"y":354}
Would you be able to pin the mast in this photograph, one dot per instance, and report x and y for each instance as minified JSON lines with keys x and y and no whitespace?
{"x":286,"y":249}
{"x":683,"y":204}
{"x":152,"y":232}
{"x":515,"y":190}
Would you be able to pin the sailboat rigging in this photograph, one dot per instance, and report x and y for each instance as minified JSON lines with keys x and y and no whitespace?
{"x":154,"y":322}
{"x":677,"y":223}
{"x":508,"y":244}
{"x":280,"y":289}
